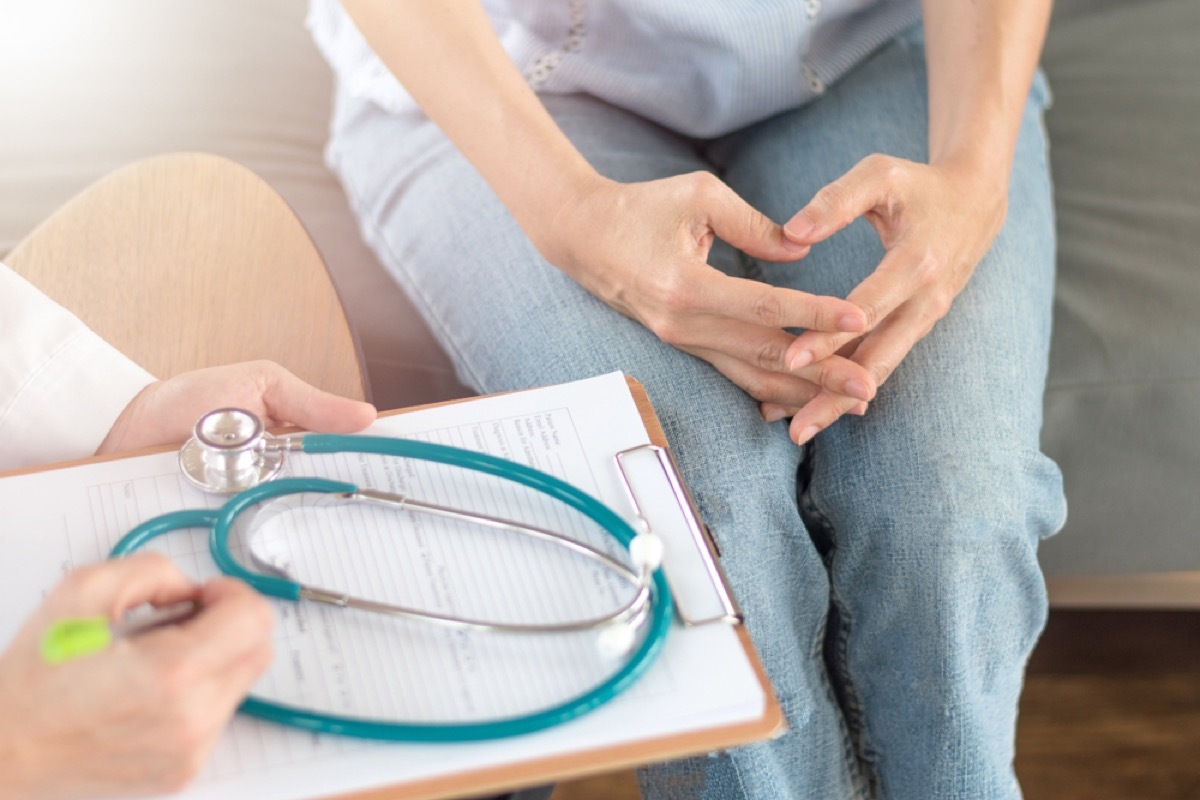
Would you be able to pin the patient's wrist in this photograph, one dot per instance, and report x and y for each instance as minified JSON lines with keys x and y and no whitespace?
{"x":553,"y":216}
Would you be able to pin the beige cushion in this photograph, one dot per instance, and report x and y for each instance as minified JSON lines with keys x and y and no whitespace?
{"x":91,"y":86}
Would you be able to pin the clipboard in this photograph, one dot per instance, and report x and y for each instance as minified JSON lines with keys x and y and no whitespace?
{"x":625,"y":755}
{"x":609,"y":757}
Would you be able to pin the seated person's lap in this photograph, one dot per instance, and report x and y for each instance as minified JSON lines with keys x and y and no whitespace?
{"x":937,"y":491}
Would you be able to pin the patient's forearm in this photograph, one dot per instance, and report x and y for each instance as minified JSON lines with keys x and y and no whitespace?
{"x":449,"y":59}
{"x":981,"y":56}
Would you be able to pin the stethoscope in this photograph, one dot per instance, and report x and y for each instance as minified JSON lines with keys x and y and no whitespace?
{"x":230,"y":452}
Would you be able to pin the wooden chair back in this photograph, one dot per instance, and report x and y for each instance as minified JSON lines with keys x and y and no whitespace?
{"x":190,"y":260}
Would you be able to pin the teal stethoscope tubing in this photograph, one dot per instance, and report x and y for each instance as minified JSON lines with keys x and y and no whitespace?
{"x":219,"y":521}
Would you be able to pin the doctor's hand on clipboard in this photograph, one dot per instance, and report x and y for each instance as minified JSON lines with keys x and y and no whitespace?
{"x":142,"y":715}
{"x":165,"y":411}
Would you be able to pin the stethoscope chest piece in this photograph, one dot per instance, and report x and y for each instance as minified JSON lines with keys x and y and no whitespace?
{"x":230,"y":451}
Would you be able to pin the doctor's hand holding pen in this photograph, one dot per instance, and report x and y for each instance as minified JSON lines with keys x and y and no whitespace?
{"x":142,"y":714}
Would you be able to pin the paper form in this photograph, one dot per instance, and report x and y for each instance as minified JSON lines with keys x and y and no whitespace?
{"x":367,"y":665}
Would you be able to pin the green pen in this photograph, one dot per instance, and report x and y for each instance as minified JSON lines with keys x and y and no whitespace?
{"x":75,"y":637}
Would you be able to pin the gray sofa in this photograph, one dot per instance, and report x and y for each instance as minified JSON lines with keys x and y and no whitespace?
{"x":91,"y":86}
{"x":1123,"y":403}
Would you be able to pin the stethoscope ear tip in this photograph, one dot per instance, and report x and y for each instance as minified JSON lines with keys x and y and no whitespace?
{"x":646,"y":551}
{"x":617,"y":639}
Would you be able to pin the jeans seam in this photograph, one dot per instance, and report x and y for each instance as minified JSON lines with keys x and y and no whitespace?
{"x":859,"y":755}
{"x":737,"y":772}
{"x":861,"y":784}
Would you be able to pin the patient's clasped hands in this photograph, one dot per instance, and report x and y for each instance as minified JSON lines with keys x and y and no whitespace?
{"x":936,"y":222}
{"x":643,"y":248}
{"x":647,"y":258}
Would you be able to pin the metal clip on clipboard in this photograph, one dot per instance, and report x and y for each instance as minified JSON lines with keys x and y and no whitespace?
{"x":699,"y":585}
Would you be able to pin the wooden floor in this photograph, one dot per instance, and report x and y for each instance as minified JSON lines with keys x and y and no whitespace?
{"x":1111,"y":711}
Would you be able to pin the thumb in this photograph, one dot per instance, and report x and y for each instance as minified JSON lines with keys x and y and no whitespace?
{"x":114,"y":587}
{"x":835,"y":206}
{"x":740,"y":224}
{"x":289,"y":399}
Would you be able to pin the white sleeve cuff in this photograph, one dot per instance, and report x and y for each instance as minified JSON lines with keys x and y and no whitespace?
{"x":63,"y":386}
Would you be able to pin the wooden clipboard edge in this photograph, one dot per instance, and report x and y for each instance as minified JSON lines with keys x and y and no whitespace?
{"x":603,"y":759}
{"x":607,"y":758}
{"x":80,"y":462}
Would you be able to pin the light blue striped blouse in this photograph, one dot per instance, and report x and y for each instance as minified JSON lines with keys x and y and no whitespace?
{"x":699,"y":67}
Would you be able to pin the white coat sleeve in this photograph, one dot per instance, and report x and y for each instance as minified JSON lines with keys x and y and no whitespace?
{"x":61,"y":385}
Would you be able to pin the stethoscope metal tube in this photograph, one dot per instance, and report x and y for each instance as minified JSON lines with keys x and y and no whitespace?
{"x":401,"y":503}
{"x":629,"y":613}
{"x":281,"y":584}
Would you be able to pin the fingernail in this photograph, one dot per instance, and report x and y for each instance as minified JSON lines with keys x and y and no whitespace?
{"x":795,"y":248}
{"x":808,"y":433}
{"x":859,"y":410}
{"x":774,"y":414}
{"x":850,"y":322}
{"x":859,"y":389}
{"x":799,"y":226}
{"x":801,"y":359}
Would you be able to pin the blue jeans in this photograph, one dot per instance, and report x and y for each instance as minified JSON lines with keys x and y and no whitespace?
{"x":888,"y":571}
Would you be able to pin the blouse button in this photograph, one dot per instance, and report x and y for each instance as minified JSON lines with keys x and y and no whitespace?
{"x":814,"y":82}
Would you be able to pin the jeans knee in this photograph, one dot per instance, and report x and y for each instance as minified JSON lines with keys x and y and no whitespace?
{"x":953,"y":537}
{"x":945,"y":499}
